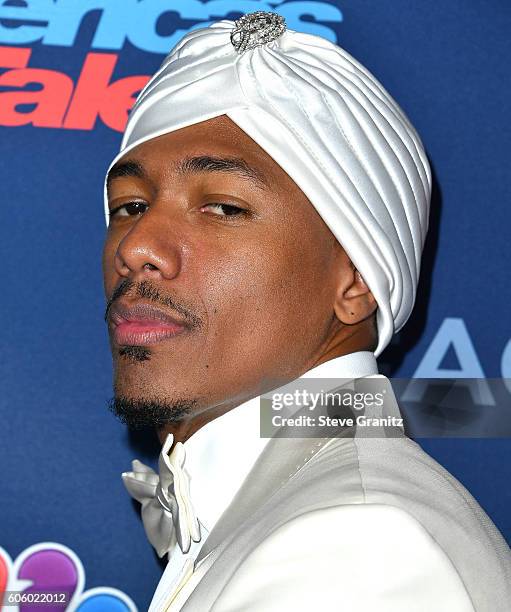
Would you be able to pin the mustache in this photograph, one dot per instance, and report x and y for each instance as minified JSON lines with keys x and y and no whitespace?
{"x":145,"y":290}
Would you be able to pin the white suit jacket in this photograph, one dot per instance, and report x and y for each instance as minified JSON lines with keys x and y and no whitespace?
{"x":348,"y":525}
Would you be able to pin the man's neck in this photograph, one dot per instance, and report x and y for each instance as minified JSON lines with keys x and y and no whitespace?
{"x":346,"y":364}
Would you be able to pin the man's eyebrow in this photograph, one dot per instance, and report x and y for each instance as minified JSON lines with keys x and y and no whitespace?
{"x":192,"y":165}
{"x":128,"y":167}
{"x":233,"y":165}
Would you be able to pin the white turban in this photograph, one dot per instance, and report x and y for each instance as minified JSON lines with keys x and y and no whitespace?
{"x":329,"y":124}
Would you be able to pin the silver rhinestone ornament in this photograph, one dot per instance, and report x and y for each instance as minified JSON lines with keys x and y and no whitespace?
{"x":255,"y":29}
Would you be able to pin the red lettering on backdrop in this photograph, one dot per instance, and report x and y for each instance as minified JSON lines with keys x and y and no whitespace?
{"x":51,"y":100}
{"x":14,"y":57}
{"x":94,"y":95}
{"x":121,"y":98}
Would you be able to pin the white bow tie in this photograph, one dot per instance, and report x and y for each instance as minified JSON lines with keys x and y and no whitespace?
{"x":165,"y":499}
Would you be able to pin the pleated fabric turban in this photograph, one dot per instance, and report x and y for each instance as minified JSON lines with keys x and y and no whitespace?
{"x":329,"y":124}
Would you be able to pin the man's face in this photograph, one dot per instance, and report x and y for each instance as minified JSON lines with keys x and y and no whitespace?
{"x":208,"y":230}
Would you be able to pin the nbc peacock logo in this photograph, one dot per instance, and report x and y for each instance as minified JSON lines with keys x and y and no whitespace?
{"x":51,"y":577}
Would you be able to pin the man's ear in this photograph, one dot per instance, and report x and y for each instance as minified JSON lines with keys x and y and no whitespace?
{"x":354,"y":302}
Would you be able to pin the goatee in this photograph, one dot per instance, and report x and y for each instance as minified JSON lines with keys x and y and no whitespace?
{"x":149,"y":413}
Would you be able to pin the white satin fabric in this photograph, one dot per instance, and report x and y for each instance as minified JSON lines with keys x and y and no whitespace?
{"x":329,"y":124}
{"x":167,"y":511}
{"x":219,"y":456}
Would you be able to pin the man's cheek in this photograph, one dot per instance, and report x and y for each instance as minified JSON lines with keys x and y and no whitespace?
{"x":108,"y":268}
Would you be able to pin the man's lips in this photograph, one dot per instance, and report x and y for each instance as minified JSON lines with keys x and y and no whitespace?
{"x":140,"y":324}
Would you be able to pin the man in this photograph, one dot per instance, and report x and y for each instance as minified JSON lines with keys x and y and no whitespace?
{"x":267,"y":213}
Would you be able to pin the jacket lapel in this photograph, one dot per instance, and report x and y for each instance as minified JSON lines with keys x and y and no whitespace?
{"x":283,"y":456}
{"x":279,"y":461}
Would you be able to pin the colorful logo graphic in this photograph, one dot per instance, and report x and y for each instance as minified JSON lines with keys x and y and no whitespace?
{"x":49,"y":98}
{"x":51,"y":577}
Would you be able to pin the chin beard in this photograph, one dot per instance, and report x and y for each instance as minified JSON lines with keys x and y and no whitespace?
{"x":144,"y":413}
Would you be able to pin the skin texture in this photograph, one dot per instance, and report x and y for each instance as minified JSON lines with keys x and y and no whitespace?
{"x":271,"y":291}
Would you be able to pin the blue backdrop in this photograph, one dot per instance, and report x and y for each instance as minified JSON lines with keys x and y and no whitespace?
{"x":68,"y":72}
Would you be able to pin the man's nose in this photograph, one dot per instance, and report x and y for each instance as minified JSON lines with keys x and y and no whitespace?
{"x":149,"y":250}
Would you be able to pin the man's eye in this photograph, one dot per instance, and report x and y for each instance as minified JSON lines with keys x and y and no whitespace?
{"x":225,"y":210}
{"x":129,"y":209}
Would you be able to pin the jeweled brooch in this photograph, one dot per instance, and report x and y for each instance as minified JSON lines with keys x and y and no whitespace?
{"x":255,"y":29}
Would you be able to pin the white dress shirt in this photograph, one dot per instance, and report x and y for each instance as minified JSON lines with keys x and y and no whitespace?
{"x":221,"y":454}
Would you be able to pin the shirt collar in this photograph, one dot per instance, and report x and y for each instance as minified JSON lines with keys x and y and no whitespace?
{"x":220,"y":454}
